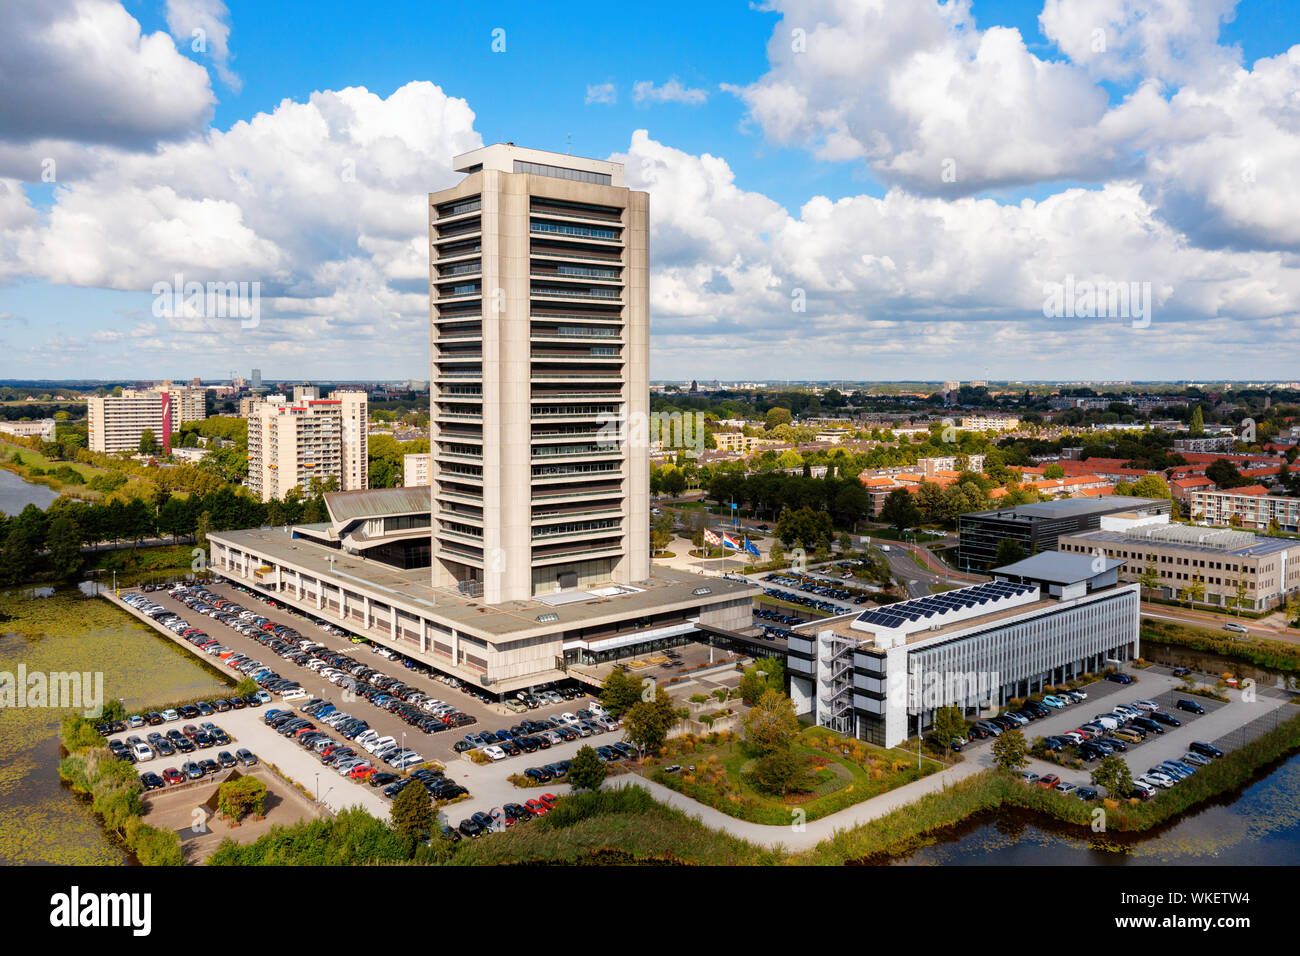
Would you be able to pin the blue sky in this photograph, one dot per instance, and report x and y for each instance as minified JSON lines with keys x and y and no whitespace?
{"x":903,"y":271}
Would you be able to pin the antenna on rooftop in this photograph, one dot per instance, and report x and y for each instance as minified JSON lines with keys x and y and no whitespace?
{"x":570,"y":142}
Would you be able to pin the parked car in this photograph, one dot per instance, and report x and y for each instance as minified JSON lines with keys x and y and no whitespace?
{"x":1119,"y":678}
{"x":1191,"y":706}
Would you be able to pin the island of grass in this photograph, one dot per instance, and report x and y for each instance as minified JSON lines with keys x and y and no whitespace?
{"x":841,"y":772}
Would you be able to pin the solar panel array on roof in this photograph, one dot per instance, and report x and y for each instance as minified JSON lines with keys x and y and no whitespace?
{"x":919,"y":609}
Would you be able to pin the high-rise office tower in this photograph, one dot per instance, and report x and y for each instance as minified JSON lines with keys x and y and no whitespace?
{"x":539,"y":323}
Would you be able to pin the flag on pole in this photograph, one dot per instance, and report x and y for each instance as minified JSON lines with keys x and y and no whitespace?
{"x":729,"y":542}
{"x":751,"y":547}
{"x":711,"y":538}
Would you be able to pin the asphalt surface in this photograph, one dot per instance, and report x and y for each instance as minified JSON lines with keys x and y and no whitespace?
{"x":488,"y":784}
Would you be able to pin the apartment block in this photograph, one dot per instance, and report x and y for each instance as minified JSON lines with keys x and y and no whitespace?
{"x":42,"y":428}
{"x":539,"y":309}
{"x":1233,"y":568}
{"x":1248,"y":507}
{"x":116,"y":423}
{"x":289,"y":443}
{"x":989,"y":423}
{"x":415,"y":470}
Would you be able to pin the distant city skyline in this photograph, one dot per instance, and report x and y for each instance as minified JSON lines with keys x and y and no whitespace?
{"x":998,"y":189}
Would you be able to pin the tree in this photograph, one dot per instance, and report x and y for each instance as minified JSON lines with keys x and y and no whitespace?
{"x":1010,"y":752}
{"x":778,"y":416}
{"x":239,"y":797}
{"x":948,"y":723}
{"x":1196,"y":428}
{"x":148,"y":442}
{"x":64,"y":543}
{"x":1224,"y":474}
{"x":1196,"y":589}
{"x":647,"y":722}
{"x":1113,"y":774}
{"x":1009,"y":552}
{"x":771,"y":724}
{"x":587,"y":771}
{"x":619,"y":692}
{"x":900,"y":510}
{"x":1054,"y":471}
{"x":412,"y":814}
{"x":661,"y":532}
{"x":783,"y":771}
{"x":766,"y":673}
{"x":1149,"y":578}
{"x":1151,"y":486}
{"x":201,"y":529}
{"x":674,"y":481}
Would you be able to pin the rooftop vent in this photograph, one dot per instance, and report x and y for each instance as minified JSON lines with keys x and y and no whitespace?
{"x":703,"y":590}
{"x":547,"y":617}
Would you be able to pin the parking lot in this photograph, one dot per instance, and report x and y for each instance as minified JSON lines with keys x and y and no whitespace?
{"x":488,"y":784}
{"x":1223,"y":725}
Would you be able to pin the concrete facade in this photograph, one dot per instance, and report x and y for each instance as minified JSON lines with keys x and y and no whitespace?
{"x":539,"y":338}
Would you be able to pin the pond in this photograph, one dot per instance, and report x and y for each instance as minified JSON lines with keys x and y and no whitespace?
{"x":16,"y":493}
{"x":66,"y":629}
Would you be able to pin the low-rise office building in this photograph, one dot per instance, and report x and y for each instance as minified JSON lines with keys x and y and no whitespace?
{"x":1229,"y":568}
{"x":367,"y":569}
{"x":880,"y":675}
{"x":1036,"y":527}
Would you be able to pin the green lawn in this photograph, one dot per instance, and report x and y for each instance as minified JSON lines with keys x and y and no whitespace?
{"x":36,"y":459}
{"x":847,"y":772}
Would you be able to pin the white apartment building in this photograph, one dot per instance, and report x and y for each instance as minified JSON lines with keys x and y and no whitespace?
{"x":415,"y":470}
{"x":289,"y":443}
{"x":116,"y":423}
{"x":989,"y":423}
{"x":42,"y":428}
{"x":539,"y":320}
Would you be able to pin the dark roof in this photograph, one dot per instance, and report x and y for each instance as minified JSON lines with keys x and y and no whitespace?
{"x":1068,"y":507}
{"x":1057,"y":567}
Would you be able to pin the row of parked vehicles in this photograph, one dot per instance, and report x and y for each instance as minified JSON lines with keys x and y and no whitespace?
{"x":608,"y":753}
{"x":501,"y":818}
{"x":1163,"y":775}
{"x":203,"y":708}
{"x":530,"y":736}
{"x":197,"y":769}
{"x":187,"y":740}
{"x":772,"y":614}
{"x":411,"y":704}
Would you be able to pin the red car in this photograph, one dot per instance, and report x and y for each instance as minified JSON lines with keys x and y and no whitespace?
{"x":172,"y":776}
{"x":1048,"y":780}
{"x":548,"y":800}
{"x":362,"y":772}
{"x":537,"y":807}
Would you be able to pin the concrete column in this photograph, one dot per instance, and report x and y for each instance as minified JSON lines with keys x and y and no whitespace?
{"x":455,"y":646}
{"x":365,"y":613}
{"x":320,"y":588}
{"x":424,"y":634}
{"x":392,"y":623}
